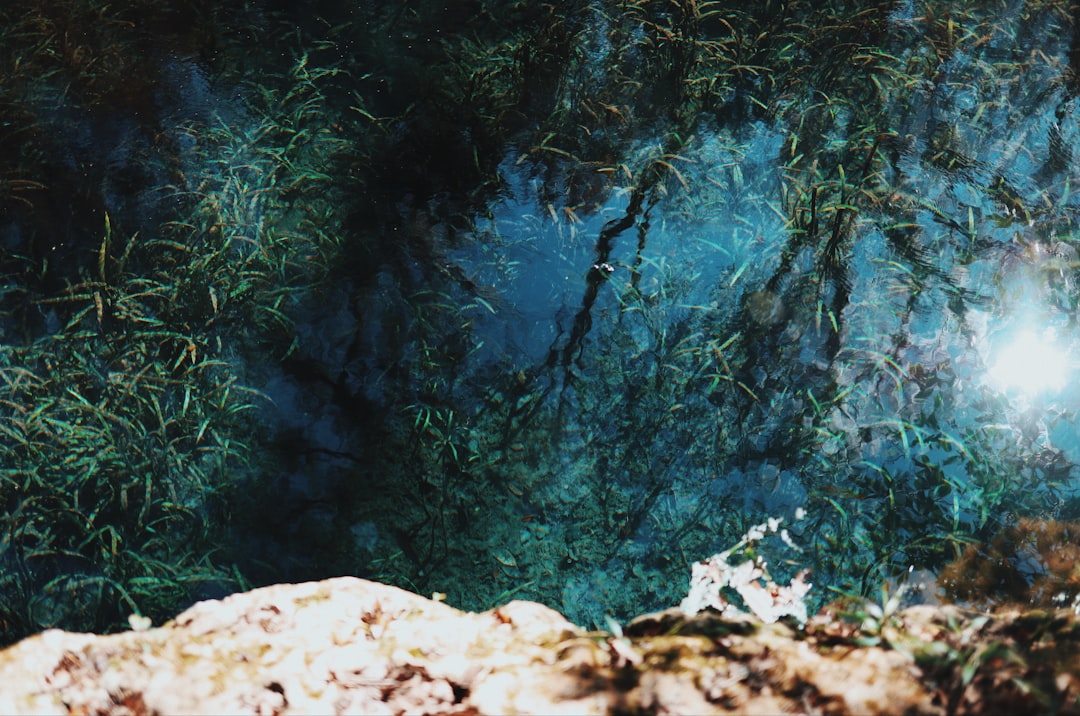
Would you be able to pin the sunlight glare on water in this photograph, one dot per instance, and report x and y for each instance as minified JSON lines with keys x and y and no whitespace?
{"x":1030,"y":364}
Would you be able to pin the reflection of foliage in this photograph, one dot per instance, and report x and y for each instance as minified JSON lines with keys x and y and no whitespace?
{"x":779,"y":229}
{"x":69,"y":65}
{"x":834,"y":156}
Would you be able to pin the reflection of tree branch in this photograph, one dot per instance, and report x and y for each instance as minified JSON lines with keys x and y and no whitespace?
{"x":648,"y":179}
{"x":595,"y":277}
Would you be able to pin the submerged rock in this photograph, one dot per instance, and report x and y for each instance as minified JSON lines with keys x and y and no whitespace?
{"x":351,"y":646}
{"x":1032,"y":562}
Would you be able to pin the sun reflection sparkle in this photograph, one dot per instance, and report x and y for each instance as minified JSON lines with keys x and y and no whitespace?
{"x":1030,"y":364}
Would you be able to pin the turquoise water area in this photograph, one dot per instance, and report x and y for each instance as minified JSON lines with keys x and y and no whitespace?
{"x":510,"y":301}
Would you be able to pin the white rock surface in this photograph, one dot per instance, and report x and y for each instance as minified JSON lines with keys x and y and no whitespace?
{"x":336,"y":646}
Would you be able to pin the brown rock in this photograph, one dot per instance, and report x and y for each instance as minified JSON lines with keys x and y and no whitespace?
{"x":351,"y":646}
{"x":1032,"y":563}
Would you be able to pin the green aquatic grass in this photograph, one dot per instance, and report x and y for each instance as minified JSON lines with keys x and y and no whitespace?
{"x":126,"y":424}
{"x":111,"y":476}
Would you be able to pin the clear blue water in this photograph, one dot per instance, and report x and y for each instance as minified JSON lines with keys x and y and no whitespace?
{"x":688,"y":376}
{"x":583,"y":322}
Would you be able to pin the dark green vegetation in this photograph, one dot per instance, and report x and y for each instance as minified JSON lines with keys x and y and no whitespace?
{"x":126,"y":421}
{"x":516,"y":298}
